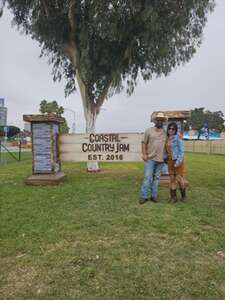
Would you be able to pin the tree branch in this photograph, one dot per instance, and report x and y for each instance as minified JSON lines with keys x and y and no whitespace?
{"x":72,"y":52}
{"x":2,"y":4}
{"x":45,"y":7}
{"x":71,"y":49}
{"x":102,"y":98}
{"x":83,"y":92}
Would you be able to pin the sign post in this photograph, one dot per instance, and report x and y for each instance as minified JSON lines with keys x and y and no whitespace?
{"x":46,"y":164}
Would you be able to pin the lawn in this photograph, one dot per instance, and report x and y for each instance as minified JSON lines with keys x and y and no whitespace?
{"x":6,"y":157}
{"x":88,"y":238}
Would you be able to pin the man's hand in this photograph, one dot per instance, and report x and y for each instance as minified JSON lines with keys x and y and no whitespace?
{"x":144,"y":151}
{"x":144,"y":157}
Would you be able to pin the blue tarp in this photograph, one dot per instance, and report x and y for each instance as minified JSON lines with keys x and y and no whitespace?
{"x":211,"y":135}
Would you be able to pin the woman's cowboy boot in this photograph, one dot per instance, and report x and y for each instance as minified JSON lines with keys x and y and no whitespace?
{"x":173,"y":196}
{"x":183,"y":194}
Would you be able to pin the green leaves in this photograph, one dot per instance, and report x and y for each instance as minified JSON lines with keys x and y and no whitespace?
{"x":53,"y":107}
{"x":199,"y":116}
{"x":115,"y":40}
{"x":12,"y":131}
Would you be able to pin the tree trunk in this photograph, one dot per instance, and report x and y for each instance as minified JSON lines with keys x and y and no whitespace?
{"x":91,"y":111}
{"x":91,"y":116}
{"x":2,"y":4}
{"x":91,"y":108}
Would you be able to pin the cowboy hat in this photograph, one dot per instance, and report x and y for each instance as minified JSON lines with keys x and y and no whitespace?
{"x":159,"y":116}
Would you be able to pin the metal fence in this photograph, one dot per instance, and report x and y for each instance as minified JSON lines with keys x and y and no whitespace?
{"x":13,"y":153}
{"x":210,"y":147}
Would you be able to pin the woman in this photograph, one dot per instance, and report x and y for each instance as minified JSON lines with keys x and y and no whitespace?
{"x":175,"y":159}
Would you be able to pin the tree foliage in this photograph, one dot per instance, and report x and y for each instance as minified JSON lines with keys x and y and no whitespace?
{"x":53,"y":108}
{"x":2,"y":4}
{"x":12,"y":131}
{"x":106,"y":44}
{"x":200,"y":116}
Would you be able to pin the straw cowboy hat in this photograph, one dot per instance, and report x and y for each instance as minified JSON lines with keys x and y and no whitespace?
{"x":159,"y":116}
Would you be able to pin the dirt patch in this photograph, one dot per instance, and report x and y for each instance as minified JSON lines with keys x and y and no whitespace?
{"x":17,"y":280}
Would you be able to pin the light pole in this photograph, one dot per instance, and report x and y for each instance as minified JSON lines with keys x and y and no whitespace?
{"x":74,"y":118}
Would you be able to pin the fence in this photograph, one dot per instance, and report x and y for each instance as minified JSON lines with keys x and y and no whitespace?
{"x":210,"y":147}
{"x":12,"y":153}
{"x":111,"y":147}
{"x":121,"y":147}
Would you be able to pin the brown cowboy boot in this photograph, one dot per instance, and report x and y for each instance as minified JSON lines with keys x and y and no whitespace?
{"x":183,"y":194}
{"x":173,"y":196}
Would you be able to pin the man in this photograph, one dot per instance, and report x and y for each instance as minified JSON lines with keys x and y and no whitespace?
{"x":153,"y":144}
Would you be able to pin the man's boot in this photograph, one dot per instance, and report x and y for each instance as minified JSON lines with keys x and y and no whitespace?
{"x":173,"y":196}
{"x":143,"y":200}
{"x":183,"y":194}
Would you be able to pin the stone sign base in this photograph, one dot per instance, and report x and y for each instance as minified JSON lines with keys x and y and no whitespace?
{"x":165,"y":181}
{"x":45,"y":179}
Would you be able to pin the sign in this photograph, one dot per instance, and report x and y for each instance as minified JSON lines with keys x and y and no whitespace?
{"x":6,"y":129}
{"x":101,"y":147}
{"x":46,"y":167}
{"x":41,"y":148}
{"x":55,"y":132}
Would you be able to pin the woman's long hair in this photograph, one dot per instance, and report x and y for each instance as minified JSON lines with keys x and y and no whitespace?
{"x":172,"y":124}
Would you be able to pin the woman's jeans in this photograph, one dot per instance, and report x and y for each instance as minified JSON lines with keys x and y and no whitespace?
{"x":152,"y":171}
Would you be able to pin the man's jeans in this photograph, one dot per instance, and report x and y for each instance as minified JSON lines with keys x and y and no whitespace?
{"x":152,"y":171}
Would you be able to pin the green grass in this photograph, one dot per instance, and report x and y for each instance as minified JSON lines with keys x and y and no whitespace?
{"x":88,"y":238}
{"x":6,"y":157}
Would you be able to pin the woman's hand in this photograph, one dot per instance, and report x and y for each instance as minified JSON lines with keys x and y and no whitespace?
{"x":177,"y":164}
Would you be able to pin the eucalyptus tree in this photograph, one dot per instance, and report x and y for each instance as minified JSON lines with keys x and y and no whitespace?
{"x":103,"y":46}
{"x":2,"y":4}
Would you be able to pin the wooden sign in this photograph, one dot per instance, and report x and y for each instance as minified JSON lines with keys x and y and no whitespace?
{"x":55,"y":150}
{"x":41,"y":148}
{"x":115,"y":147}
{"x":46,"y":167}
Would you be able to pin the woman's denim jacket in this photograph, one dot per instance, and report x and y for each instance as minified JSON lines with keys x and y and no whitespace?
{"x":177,"y":149}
